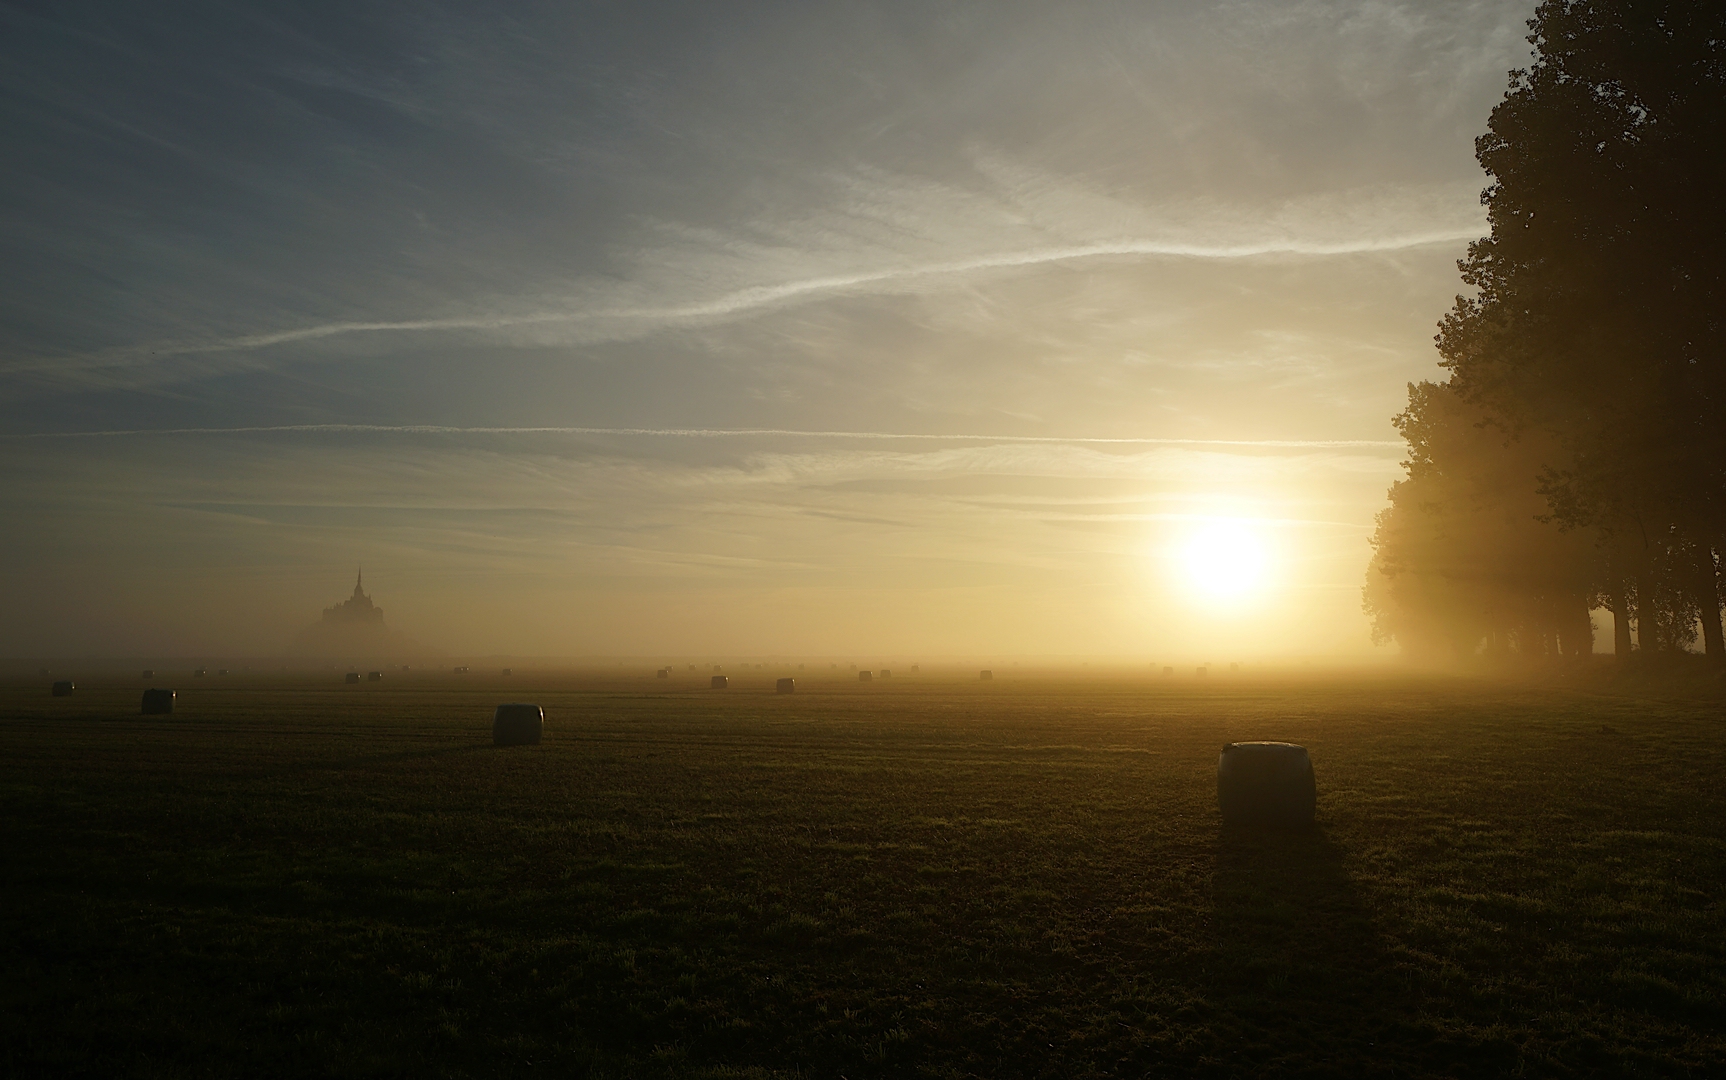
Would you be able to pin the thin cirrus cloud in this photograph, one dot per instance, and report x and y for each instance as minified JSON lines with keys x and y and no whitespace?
{"x":883,"y":236}
{"x":705,"y":433}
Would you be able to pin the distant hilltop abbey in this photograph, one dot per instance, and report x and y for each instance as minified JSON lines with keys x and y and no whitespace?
{"x":354,"y":628}
{"x":356,"y":610}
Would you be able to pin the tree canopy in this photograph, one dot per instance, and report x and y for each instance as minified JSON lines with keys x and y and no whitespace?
{"x":1575,"y":456}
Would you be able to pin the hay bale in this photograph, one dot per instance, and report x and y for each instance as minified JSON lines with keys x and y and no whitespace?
{"x":374,"y":676}
{"x":462,"y":670}
{"x":865,"y":676}
{"x":663,"y":673}
{"x":885,"y":674}
{"x":221,"y":671}
{"x":719,"y":682}
{"x":1266,"y":783}
{"x":148,"y":673}
{"x":353,"y":677}
{"x":507,"y":671}
{"x":1203,"y":671}
{"x":785,"y":686}
{"x":985,"y":675}
{"x":157,"y":702}
{"x":1168,"y":671}
{"x":63,"y":688}
{"x":199,"y":673}
{"x":517,"y":724}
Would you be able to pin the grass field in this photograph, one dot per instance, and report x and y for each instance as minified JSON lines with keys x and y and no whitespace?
{"x":934,"y":878}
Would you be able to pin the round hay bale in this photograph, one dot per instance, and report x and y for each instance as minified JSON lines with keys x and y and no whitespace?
{"x":985,"y":675}
{"x":517,"y":724}
{"x":157,"y":702}
{"x":63,"y":688}
{"x":720,"y":682}
{"x":1266,"y":783}
{"x":785,"y":686}
{"x":865,"y":676}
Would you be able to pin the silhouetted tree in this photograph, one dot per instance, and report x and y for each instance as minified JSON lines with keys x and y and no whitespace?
{"x":1595,"y":335}
{"x":1462,"y":561}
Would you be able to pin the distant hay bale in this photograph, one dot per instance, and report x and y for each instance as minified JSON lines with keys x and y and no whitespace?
{"x":148,"y":673}
{"x":886,"y":674}
{"x":157,"y":702}
{"x":374,"y":676}
{"x":462,"y":670}
{"x":221,"y":671}
{"x":1203,"y":671}
{"x":507,"y":671}
{"x":785,"y":686}
{"x":353,"y":677}
{"x":865,"y":676}
{"x":199,"y":673}
{"x":1266,"y":783}
{"x":1168,"y":671}
{"x":1234,"y":667}
{"x":985,"y":675}
{"x":63,"y":688}
{"x":913,"y":669}
{"x":663,"y":673}
{"x":517,"y":724}
{"x":719,"y":682}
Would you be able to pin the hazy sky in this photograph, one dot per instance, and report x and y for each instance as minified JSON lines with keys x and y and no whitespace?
{"x":482,"y":295}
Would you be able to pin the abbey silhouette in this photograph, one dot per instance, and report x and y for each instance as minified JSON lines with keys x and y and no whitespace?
{"x":354,"y":629}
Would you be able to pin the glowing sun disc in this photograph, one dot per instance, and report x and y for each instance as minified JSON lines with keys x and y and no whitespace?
{"x":1224,"y":560}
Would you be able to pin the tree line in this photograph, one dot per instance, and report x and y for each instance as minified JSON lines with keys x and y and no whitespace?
{"x":1575,"y":457}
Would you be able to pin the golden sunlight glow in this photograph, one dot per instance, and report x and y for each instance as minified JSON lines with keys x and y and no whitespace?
{"x":1224,"y":560}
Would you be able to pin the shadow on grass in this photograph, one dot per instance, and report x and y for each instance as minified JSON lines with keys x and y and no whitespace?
{"x":1304,"y":980}
{"x":1300,"y":975}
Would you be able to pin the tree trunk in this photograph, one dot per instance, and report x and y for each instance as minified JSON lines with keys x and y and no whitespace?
{"x":1708,"y":599}
{"x":1580,"y":646}
{"x":1647,"y":623}
{"x":1620,"y":621}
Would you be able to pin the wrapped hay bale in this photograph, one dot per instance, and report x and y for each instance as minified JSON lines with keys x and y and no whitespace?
{"x":785,"y":686}
{"x":157,"y":702}
{"x":517,"y":724}
{"x":1266,"y":783}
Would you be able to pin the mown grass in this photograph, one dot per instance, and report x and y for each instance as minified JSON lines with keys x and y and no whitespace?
{"x":1024,"y":878}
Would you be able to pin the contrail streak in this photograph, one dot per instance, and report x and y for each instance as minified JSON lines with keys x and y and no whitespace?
{"x":706,"y":433}
{"x":763,"y":296}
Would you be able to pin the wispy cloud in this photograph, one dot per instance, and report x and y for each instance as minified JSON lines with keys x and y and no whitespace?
{"x":707,"y":433}
{"x":891,"y":233}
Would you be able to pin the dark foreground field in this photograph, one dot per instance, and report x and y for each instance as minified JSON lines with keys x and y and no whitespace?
{"x":937,"y":879}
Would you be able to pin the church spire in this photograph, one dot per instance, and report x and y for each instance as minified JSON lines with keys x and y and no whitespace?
{"x":359,"y":577}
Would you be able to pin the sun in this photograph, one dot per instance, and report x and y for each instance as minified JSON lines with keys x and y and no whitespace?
{"x":1224,"y":560}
